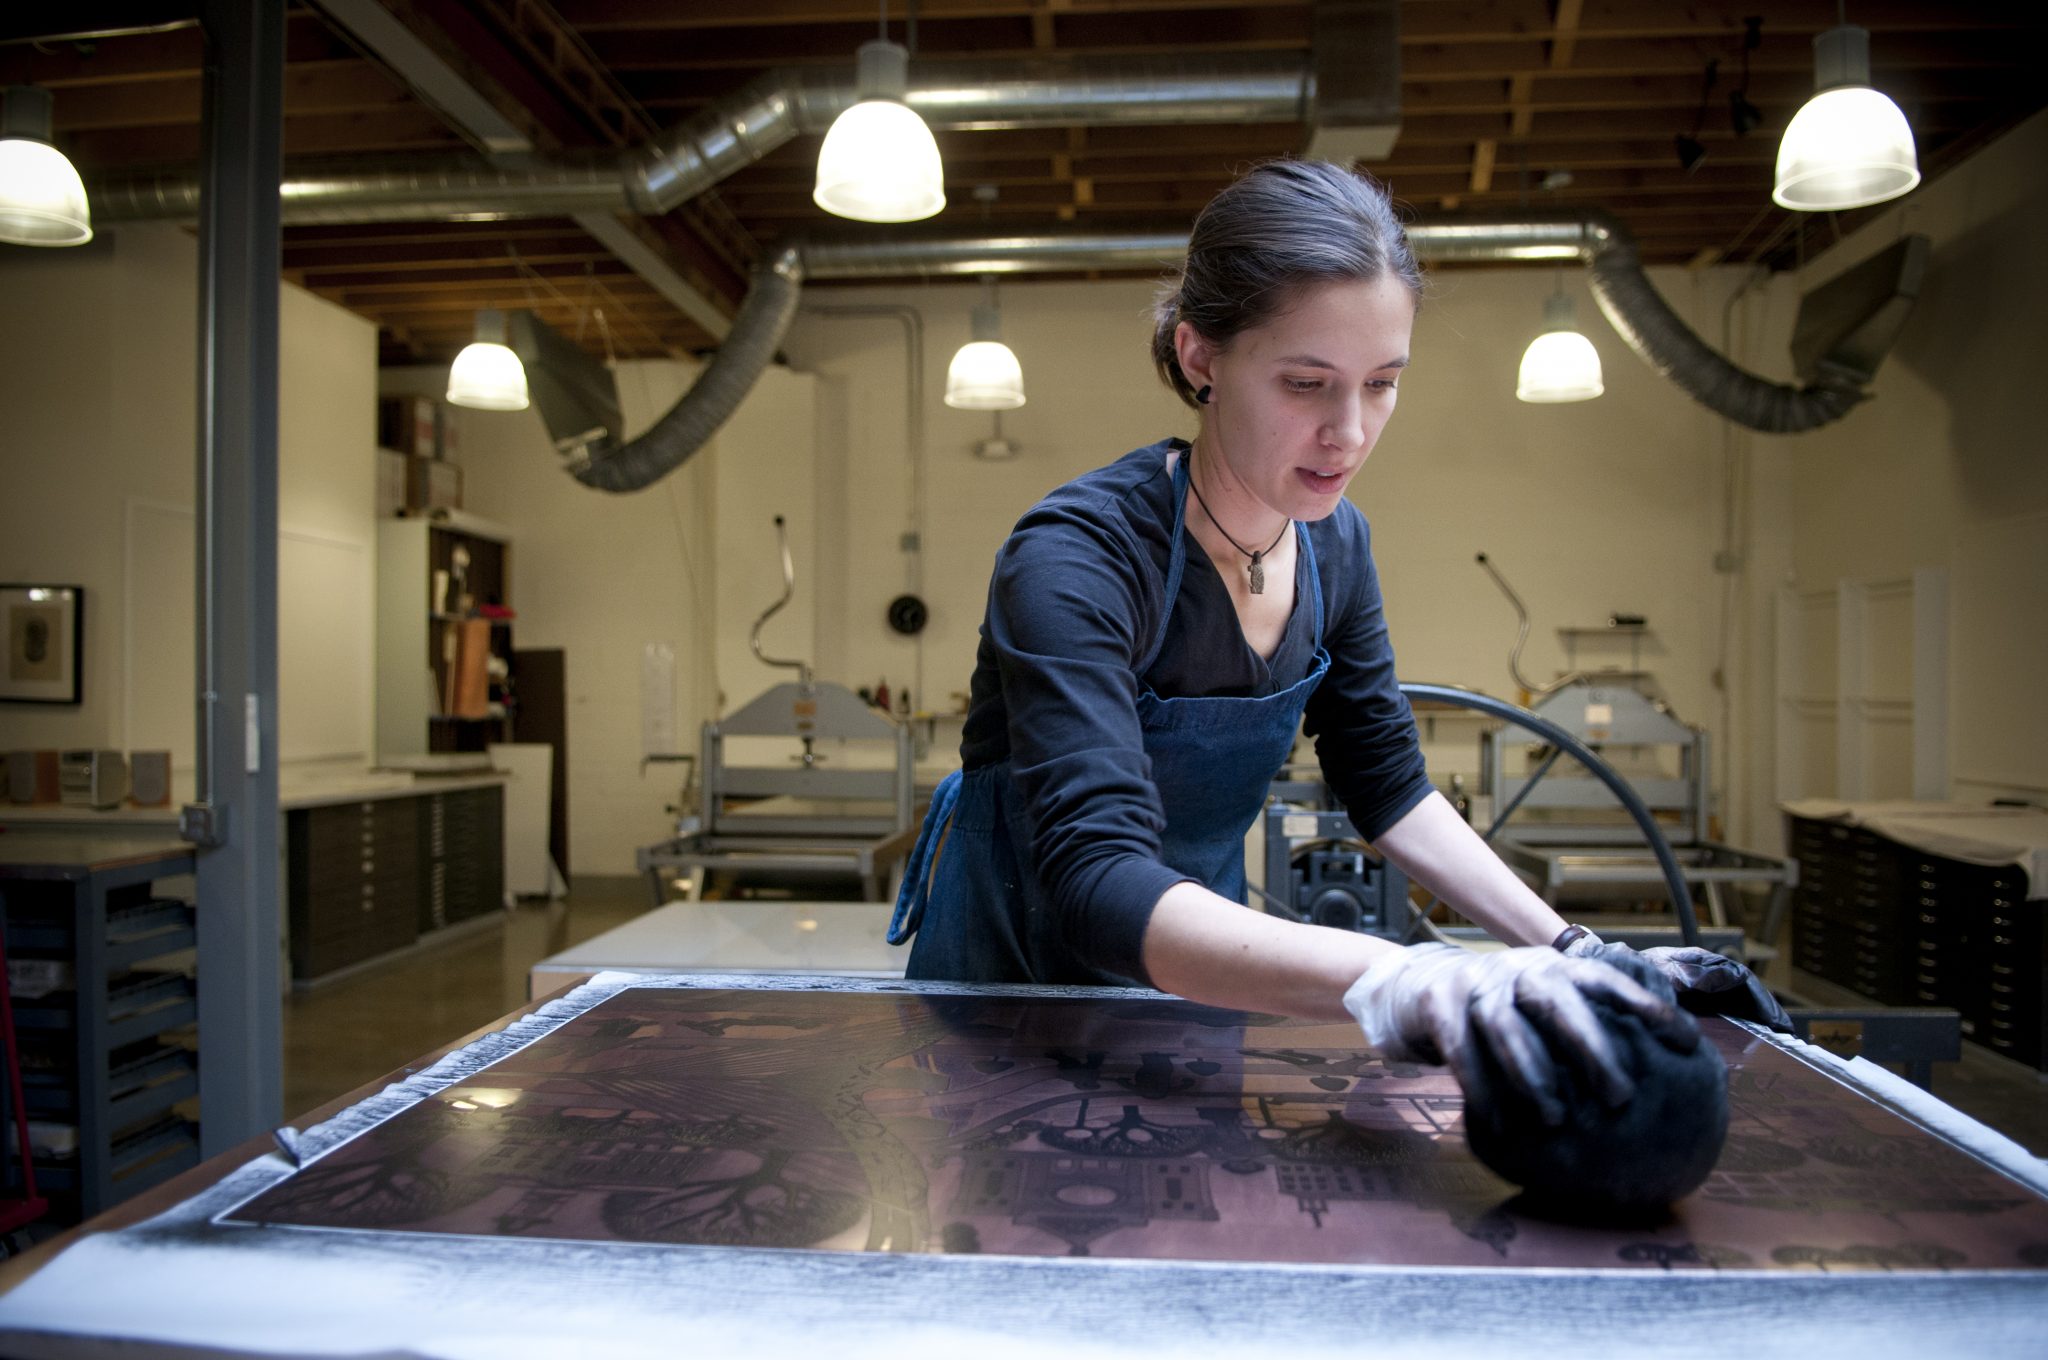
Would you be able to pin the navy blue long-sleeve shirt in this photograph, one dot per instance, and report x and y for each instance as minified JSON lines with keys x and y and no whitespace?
{"x":1077,"y":596}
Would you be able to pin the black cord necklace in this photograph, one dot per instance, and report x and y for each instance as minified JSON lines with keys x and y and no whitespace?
{"x":1258,"y":566}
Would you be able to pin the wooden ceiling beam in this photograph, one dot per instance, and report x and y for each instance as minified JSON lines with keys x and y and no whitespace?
{"x":144,"y":57}
{"x":1483,"y":160}
{"x":1781,"y":54}
{"x":706,"y":247}
{"x":1570,"y":91}
{"x":311,"y":89}
{"x":1778,"y":94}
{"x":451,"y":305}
{"x":754,"y":49}
{"x":599,"y":16}
{"x":454,"y":254}
{"x":1483,"y":152}
{"x":1521,"y":107}
{"x":449,"y":235}
{"x":568,"y":279}
{"x":1564,"y":33}
{"x":1499,"y":20}
{"x":1425,"y":127}
{"x":478,"y":58}
{"x":1480,"y":21}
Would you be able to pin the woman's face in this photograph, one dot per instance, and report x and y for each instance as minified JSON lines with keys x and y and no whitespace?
{"x":1297,"y":404}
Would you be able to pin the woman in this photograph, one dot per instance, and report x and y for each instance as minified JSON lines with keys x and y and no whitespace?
{"x":1156,"y":633}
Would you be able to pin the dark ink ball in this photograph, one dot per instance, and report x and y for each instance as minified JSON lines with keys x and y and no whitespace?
{"x":1602,"y":1164}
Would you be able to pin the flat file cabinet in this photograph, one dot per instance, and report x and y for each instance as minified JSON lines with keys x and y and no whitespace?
{"x":368,"y":876}
{"x":99,"y":943}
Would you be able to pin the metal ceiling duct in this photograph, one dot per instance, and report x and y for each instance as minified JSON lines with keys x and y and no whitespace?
{"x":767,"y":113}
{"x":745,"y":126}
{"x":1638,"y":312}
{"x":1630,"y":301}
{"x":748,"y":349}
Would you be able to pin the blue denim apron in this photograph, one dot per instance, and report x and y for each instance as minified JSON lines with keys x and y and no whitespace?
{"x":981,"y":915}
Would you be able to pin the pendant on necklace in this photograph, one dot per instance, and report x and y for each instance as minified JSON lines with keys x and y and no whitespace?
{"x":1258,"y":570}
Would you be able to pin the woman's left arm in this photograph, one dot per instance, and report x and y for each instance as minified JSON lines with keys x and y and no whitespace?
{"x":1435,"y":847}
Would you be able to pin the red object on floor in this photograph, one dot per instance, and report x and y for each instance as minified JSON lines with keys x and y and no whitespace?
{"x":16,"y":1211}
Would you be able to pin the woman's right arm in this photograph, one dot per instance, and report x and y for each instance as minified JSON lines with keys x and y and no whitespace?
{"x":1208,"y":948}
{"x":1528,"y":1007}
{"x":1071,"y":594}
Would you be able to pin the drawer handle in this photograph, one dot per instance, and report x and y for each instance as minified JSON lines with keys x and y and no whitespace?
{"x":2000,"y":1007}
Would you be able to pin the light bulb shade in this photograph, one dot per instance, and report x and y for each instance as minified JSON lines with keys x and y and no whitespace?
{"x":1560,"y":366}
{"x":1848,"y":147}
{"x":487,"y":377}
{"x":42,"y":200}
{"x":880,"y":164}
{"x":985,"y":376}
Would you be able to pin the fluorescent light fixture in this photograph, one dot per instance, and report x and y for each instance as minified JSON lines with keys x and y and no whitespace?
{"x":1560,"y":364}
{"x":42,"y":200}
{"x":985,"y":374}
{"x":487,"y":376}
{"x":879,"y":162}
{"x":1848,"y":146}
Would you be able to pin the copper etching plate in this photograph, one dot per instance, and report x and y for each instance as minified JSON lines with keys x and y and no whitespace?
{"x":1116,"y":1128}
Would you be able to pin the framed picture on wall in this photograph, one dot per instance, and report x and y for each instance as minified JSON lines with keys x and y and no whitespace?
{"x":45,"y":633}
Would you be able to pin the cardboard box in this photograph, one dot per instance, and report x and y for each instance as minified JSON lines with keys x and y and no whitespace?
{"x":411,"y":425}
{"x":149,"y":778}
{"x":393,"y":468}
{"x":433,"y":484}
{"x":32,"y":777}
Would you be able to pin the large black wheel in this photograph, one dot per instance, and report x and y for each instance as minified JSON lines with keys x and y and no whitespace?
{"x":1674,"y":878}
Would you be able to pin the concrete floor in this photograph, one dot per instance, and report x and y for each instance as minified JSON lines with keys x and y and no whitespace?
{"x":358,"y":1027}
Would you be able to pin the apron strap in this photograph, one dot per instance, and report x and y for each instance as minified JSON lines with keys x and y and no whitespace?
{"x":914,"y":892}
{"x":1176,"y":561}
{"x":1315,"y":580}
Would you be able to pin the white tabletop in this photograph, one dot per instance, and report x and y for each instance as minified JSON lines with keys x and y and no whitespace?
{"x":735,"y":937}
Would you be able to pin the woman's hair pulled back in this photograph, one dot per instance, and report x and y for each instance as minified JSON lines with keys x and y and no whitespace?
{"x":1278,"y":227}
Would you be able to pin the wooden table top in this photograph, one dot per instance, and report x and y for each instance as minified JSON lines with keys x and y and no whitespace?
{"x":56,"y":855}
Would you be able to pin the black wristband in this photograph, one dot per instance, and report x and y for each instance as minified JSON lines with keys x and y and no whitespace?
{"x":1568,"y":936}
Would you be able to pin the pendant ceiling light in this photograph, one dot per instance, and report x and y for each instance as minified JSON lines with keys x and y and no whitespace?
{"x":1560,"y":364}
{"x":487,"y":376}
{"x":985,"y":374}
{"x":1849,"y":146}
{"x":879,"y":162}
{"x":42,"y":200}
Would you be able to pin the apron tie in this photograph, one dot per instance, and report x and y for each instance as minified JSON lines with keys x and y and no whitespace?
{"x":915,"y":890}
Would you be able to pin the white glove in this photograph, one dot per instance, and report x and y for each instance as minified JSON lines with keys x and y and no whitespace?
{"x":1434,"y":1002}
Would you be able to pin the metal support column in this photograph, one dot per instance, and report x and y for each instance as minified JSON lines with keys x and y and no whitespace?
{"x":234,"y":819}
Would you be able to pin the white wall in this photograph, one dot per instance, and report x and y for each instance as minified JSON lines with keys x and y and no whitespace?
{"x":689,"y":561}
{"x":97,"y":471}
{"x":1608,"y":506}
{"x":1945,"y":466}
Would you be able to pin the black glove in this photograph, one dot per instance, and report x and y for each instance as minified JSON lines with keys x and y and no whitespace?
{"x":1707,"y":983}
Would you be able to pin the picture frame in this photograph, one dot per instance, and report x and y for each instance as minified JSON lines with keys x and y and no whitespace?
{"x":44,"y":631}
